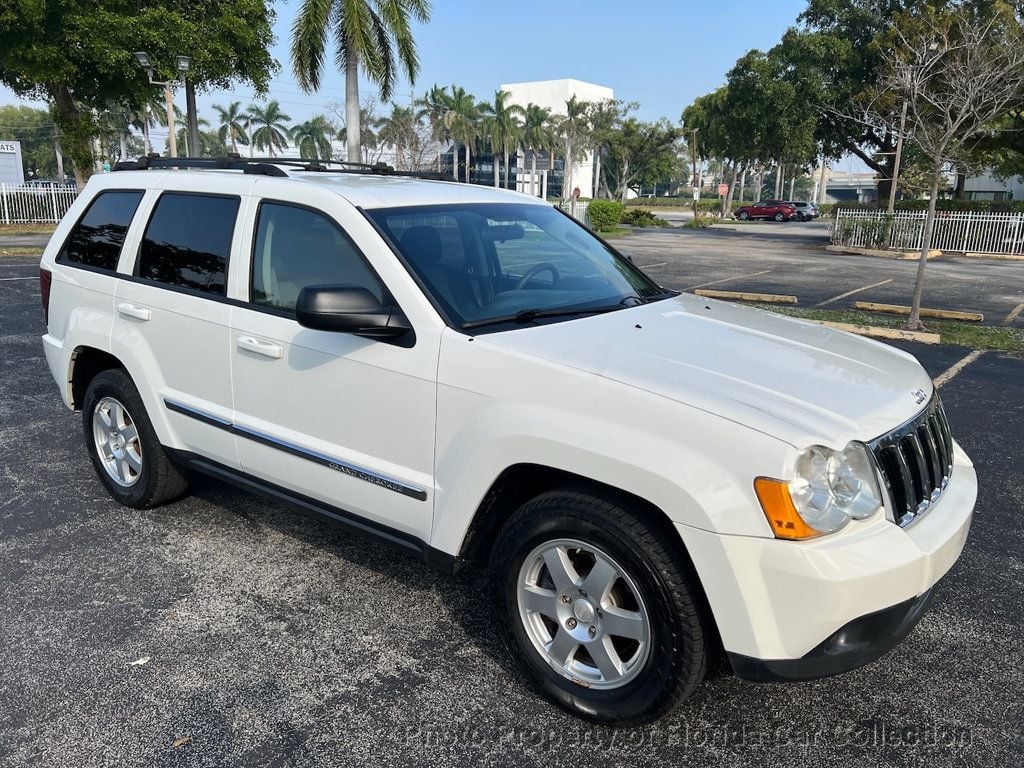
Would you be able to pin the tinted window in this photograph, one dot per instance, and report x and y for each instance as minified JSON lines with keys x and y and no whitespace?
{"x":188,"y":240}
{"x":296,"y":247}
{"x":97,"y":238}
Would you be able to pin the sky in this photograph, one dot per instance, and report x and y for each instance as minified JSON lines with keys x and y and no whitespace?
{"x":660,"y":53}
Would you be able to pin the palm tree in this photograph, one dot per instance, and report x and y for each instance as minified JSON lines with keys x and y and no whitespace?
{"x":400,"y":130}
{"x":368,"y":120}
{"x":367,"y":34}
{"x":501,"y":127}
{"x":232,"y":124}
{"x":461,"y":121}
{"x":433,"y":106}
{"x":313,"y":138}
{"x":267,"y":125}
{"x":574,"y":130}
{"x":537,"y":137}
{"x":150,"y":114}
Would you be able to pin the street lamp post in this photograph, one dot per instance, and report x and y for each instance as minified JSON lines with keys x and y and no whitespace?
{"x":182,"y":64}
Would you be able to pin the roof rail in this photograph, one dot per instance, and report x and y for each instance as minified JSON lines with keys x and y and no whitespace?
{"x":270,"y":166}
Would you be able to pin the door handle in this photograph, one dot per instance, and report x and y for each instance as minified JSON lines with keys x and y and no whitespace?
{"x":260,"y":347}
{"x":133,"y":311}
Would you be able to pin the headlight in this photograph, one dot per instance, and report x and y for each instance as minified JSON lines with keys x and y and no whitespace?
{"x":829,"y":488}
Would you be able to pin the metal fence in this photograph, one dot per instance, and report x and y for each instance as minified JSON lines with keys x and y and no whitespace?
{"x":958,"y":231}
{"x":28,"y":203}
{"x":577,"y":209}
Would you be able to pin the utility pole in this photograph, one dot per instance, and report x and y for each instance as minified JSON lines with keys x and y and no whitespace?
{"x":896,"y":160}
{"x":693,"y":162}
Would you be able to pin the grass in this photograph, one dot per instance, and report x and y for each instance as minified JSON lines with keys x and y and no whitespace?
{"x":611,"y":234}
{"x":961,"y":334}
{"x":27,"y":229}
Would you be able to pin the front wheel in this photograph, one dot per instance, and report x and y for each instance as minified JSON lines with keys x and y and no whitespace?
{"x":599,"y":610}
{"x":779,"y":217}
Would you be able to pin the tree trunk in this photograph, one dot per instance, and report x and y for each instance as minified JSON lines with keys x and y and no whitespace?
{"x":961,"y":183}
{"x":533,"y":173}
{"x":597,"y":173}
{"x":192,"y":118}
{"x":821,"y":182}
{"x":75,"y":130}
{"x":497,"y":171}
{"x":60,"y":158}
{"x":234,"y":142}
{"x":730,"y":195}
{"x":506,"y":169}
{"x":145,"y":132}
{"x":467,"y":162}
{"x":792,"y":184}
{"x":122,"y":142}
{"x":353,"y":131}
{"x":914,"y":321}
{"x":567,"y":172}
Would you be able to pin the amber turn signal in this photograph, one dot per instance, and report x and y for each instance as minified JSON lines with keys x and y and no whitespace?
{"x":778,"y":507}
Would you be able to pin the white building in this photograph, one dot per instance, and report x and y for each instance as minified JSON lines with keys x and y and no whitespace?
{"x":552,"y":95}
{"x":11,"y":169}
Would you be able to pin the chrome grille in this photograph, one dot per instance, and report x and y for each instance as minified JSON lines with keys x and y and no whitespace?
{"x":915,"y":462}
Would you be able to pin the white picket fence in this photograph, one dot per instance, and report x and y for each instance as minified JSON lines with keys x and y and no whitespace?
{"x":30,"y":204}
{"x":957,"y":231}
{"x":577,"y":209}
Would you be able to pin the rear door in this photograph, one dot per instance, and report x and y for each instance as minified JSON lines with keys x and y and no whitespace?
{"x":171,"y":317}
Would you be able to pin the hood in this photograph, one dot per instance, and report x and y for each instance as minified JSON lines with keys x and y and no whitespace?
{"x":793,"y":379}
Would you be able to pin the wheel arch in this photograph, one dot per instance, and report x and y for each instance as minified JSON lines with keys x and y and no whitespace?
{"x":86,"y":363}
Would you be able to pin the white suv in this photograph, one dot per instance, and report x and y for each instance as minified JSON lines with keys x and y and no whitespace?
{"x":468,"y":374}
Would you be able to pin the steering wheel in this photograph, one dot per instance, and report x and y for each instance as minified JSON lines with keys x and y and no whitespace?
{"x":536,"y":269}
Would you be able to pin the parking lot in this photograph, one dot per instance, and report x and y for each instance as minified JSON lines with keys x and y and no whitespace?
{"x":272,"y":639}
{"x":790,"y":259}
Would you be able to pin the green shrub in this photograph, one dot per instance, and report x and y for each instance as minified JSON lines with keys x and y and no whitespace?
{"x":710,"y":205}
{"x":700,"y":222}
{"x":641,"y":217}
{"x":605,"y":215}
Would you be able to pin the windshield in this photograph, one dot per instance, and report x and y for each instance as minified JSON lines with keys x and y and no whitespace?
{"x":487,"y":263}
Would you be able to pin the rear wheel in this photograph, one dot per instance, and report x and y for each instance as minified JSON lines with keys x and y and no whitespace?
{"x":124,"y":449}
{"x":742,"y":215}
{"x":598,"y":609}
{"x":779,"y":216}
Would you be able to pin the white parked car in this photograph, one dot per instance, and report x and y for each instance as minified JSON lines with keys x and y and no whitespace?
{"x":648,"y":477}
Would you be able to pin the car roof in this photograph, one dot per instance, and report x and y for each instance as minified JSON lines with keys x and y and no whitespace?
{"x":366,"y":190}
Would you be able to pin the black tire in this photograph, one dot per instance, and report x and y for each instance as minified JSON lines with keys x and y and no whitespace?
{"x":158,"y":481}
{"x":780,"y":217}
{"x":677,"y":658}
{"x":742,"y":216}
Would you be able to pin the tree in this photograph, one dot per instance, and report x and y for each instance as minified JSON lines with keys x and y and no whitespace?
{"x":267,"y":126}
{"x":501,"y":127}
{"x":231,"y":124}
{"x":959,"y":72}
{"x":35,"y":129}
{"x":639,"y":152}
{"x":604,"y":118}
{"x":313,"y":137}
{"x":367,"y":36}
{"x":573,"y":128}
{"x":537,"y":136}
{"x":369,"y":148}
{"x":79,"y":56}
{"x":404,"y":130}
{"x":461,"y":121}
{"x":433,"y":105}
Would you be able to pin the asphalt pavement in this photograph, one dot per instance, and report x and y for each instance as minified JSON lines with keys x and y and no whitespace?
{"x":225,"y":630}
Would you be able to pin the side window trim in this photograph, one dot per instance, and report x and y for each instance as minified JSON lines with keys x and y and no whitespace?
{"x":247,"y":299}
{"x":60,"y":258}
{"x":136,"y":277}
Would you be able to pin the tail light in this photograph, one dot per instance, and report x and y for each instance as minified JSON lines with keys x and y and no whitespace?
{"x":45,"y":280}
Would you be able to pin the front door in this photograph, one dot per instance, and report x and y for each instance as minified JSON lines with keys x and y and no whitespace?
{"x":345,"y":420}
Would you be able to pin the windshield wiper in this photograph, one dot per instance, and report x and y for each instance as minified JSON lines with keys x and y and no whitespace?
{"x":528,"y":315}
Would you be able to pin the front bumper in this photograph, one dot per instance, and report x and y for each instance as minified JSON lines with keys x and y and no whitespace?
{"x":794,"y":610}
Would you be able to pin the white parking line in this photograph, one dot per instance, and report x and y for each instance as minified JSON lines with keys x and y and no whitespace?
{"x":727,"y":279}
{"x":850,"y":293}
{"x":1014,"y":313}
{"x":648,"y":266}
{"x":958,"y":366}
{"x":33,"y":277}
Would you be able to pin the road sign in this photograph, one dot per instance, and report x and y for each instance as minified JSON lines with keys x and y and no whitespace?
{"x":723,"y":190}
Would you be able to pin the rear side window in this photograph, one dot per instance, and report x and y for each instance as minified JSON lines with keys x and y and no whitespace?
{"x":187,"y":242}
{"x":97,"y":238}
{"x":296,"y":247}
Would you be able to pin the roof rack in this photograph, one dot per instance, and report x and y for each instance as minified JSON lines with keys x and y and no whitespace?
{"x":271,"y":166}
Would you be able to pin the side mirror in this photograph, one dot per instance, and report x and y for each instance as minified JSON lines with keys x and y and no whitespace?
{"x":349,"y":309}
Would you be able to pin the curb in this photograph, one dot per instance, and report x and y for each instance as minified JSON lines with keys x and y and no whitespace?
{"x":762,"y":298}
{"x":904,"y":255}
{"x":877,"y":332}
{"x":943,"y":314}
